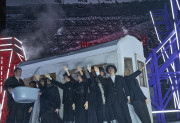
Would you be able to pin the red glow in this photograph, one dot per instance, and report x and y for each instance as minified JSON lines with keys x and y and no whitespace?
{"x":87,"y":44}
{"x":143,"y":39}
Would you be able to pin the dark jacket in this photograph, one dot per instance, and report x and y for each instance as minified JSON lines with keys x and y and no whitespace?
{"x":12,"y":82}
{"x":134,"y":88}
{"x":50,"y":98}
{"x":81,"y":96}
{"x":42,"y":88}
{"x":117,"y":88}
{"x":81,"y":91}
{"x":68,"y":89}
{"x":27,"y":115}
{"x":68,"y":95}
{"x":94,"y":87}
{"x":97,"y":109}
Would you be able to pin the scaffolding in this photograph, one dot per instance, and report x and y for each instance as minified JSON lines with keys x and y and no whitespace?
{"x":163,"y":63}
{"x":11,"y":54}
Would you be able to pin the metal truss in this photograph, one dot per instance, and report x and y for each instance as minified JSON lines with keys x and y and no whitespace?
{"x":11,"y":54}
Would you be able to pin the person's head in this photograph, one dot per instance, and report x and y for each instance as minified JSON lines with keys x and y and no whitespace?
{"x":48,"y":81}
{"x":111,"y":69}
{"x":66,"y":78}
{"x":43,"y":81}
{"x":18,"y":72}
{"x":79,"y":77}
{"x":102,"y":72}
{"x":32,"y":84}
{"x":93,"y":71}
{"x":127,"y":72}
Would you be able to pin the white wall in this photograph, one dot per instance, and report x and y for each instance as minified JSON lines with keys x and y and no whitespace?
{"x":130,"y":47}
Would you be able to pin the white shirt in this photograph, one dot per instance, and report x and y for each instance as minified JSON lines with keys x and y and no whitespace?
{"x":113,"y":78}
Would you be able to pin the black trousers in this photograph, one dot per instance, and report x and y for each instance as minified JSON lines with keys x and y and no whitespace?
{"x":142,"y":111}
{"x":68,"y":112}
{"x":50,"y":116}
{"x":126,"y":114}
{"x":119,"y":110}
{"x":15,"y":112}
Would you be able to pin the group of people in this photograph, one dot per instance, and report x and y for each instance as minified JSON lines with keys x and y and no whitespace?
{"x":22,"y":113}
{"x":97,"y":99}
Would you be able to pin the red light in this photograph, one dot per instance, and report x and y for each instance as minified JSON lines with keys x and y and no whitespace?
{"x":143,"y":39}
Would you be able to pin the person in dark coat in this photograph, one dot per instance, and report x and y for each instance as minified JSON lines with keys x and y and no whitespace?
{"x":15,"y":110}
{"x":92,"y":97}
{"x":68,"y":95}
{"x":29,"y":106}
{"x":97,"y":97}
{"x":80,"y":104}
{"x":138,"y":99}
{"x":117,"y":99}
{"x":50,"y":104}
{"x":36,"y":112}
{"x":41,"y":83}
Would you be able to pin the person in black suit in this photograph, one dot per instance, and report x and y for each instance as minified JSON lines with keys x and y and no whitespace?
{"x":80,"y":104}
{"x":68,"y":95}
{"x":138,"y":99}
{"x":50,"y":104}
{"x":97,"y":111}
{"x":117,"y":99}
{"x":15,"y":110}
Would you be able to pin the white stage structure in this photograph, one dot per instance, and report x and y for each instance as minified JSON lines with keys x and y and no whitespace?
{"x":124,"y":52}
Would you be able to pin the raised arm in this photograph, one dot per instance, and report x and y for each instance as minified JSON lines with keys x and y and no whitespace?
{"x":135,"y":74}
{"x":91,"y":75}
{"x":97,"y":72}
{"x":59,"y":84}
{"x":93,"y":81}
{"x":38,"y":81}
{"x":66,"y":70}
{"x":70,"y":77}
{"x":82,"y":74}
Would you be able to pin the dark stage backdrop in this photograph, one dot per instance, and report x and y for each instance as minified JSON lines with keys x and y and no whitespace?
{"x":51,"y":28}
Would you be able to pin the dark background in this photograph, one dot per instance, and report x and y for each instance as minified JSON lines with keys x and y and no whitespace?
{"x":48,"y":29}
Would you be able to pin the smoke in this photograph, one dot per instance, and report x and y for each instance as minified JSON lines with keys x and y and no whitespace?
{"x":33,"y":52}
{"x":38,"y":35}
{"x":59,"y":32}
{"x":36,"y":42}
{"x":6,"y":33}
{"x":125,"y":31}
